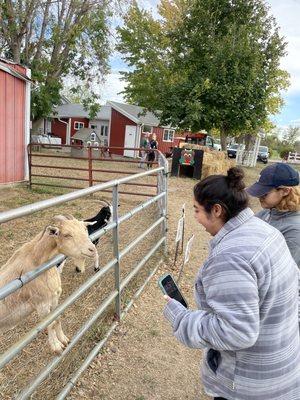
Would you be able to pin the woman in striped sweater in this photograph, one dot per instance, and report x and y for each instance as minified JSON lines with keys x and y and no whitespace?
{"x":247,"y":297}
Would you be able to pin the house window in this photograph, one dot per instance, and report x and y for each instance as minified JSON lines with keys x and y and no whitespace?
{"x":147,"y":129}
{"x":104,"y":130}
{"x":78,"y":125}
{"x":168,"y":135}
{"x":93,"y":126}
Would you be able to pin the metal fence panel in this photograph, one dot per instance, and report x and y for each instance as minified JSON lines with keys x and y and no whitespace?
{"x":115,"y":295}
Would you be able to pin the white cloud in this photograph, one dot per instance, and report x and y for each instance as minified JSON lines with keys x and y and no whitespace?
{"x":112,"y":88}
{"x":287,"y":14}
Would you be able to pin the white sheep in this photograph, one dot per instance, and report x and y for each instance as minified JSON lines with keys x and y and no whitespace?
{"x":67,"y":236}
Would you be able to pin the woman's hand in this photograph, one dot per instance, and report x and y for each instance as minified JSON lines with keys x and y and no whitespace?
{"x":167,"y":298}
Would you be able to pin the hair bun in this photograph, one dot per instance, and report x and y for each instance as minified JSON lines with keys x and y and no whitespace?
{"x":235,"y":176}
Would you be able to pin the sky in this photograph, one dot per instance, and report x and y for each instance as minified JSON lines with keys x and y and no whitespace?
{"x":287,"y":14}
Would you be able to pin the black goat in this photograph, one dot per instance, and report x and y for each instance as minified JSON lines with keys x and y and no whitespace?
{"x":101,"y":220}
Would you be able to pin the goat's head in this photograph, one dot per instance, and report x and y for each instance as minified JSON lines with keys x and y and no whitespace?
{"x":107,"y":210}
{"x":72,"y":240}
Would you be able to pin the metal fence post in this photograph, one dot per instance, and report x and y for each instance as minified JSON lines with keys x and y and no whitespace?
{"x":29,"y":149}
{"x":164,"y":203}
{"x":116,"y":250}
{"x":90,"y":161}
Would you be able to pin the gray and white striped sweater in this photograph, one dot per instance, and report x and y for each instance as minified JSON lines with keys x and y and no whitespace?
{"x":247,"y":322}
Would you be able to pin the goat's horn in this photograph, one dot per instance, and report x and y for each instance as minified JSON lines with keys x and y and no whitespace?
{"x":105,"y":202}
{"x":96,"y":267}
{"x":63,"y":217}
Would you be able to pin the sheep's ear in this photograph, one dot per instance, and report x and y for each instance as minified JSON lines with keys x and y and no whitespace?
{"x":89,"y":223}
{"x":52,"y":230}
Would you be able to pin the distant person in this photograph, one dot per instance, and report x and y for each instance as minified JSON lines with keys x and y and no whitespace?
{"x":278,"y":191}
{"x":152,"y":153}
{"x":154,"y":142}
{"x":247,"y":297}
{"x":145,"y":145}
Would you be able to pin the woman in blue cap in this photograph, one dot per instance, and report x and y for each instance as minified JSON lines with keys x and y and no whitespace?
{"x":278,"y":191}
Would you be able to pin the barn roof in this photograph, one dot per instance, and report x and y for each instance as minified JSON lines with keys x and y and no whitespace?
{"x":10,"y":68}
{"x":77,"y":110}
{"x":84,"y":133}
{"x":136,"y":113}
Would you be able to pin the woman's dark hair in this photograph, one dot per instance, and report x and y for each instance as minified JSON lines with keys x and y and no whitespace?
{"x":226,"y":190}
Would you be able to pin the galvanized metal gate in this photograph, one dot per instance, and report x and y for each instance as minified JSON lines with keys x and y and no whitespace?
{"x":116,"y":293}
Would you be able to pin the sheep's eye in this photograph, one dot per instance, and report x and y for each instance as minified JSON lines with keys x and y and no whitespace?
{"x":67,"y":236}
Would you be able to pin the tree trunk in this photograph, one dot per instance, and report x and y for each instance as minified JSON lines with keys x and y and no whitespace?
{"x":223,"y":137}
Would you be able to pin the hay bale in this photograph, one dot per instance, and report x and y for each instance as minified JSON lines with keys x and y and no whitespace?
{"x":214,"y":162}
{"x":215,"y":167}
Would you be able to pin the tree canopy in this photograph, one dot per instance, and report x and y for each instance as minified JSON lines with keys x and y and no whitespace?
{"x":205,"y":63}
{"x":56,"y":39}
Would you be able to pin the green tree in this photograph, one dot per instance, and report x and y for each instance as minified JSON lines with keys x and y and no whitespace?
{"x":216,"y":65}
{"x":56,"y":39}
{"x":291,"y":135}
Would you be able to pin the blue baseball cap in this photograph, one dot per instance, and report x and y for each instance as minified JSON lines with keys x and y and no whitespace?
{"x":272,"y":177}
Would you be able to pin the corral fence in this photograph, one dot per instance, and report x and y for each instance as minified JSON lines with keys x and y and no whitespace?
{"x":293,"y":158}
{"x":89,"y":173}
{"x":115,"y":295}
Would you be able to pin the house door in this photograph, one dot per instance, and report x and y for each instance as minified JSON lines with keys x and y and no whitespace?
{"x":130,"y":140}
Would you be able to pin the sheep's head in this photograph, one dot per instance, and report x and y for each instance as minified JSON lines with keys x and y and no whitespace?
{"x":72,"y":240}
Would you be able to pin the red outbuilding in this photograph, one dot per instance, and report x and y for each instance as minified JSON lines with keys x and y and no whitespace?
{"x":117,"y":124}
{"x":14,"y":121}
{"x":127,"y":124}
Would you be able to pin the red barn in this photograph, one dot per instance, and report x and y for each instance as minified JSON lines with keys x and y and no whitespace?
{"x":127,"y":123}
{"x":68,"y":118}
{"x":14,"y":121}
{"x":119,"y":124}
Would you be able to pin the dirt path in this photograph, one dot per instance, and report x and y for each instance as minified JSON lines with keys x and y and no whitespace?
{"x":143,"y":361}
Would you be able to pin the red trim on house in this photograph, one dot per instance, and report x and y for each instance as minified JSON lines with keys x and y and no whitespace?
{"x":117,"y":130}
{"x":75,"y":119}
{"x":59,"y":129}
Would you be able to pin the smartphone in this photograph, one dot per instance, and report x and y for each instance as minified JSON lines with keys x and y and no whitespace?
{"x":169,"y":287}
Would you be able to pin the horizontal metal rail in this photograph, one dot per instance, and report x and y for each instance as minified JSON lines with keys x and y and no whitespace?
{"x":81,"y":146}
{"x":59,"y":167}
{"x":47,"y":370}
{"x":29,"y":276}
{"x":80,"y":187}
{"x":86,"y":180}
{"x":115,"y":295}
{"x":71,"y":383}
{"x":42,"y":205}
{"x":96,"y":159}
{"x":141,"y":237}
{"x":130,"y":183}
{"x":132,"y":274}
{"x":31,"y":335}
{"x":109,"y":171}
{"x":59,"y":177}
{"x":75,"y":339}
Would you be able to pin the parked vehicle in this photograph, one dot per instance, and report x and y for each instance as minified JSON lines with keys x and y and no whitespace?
{"x":217,"y":145}
{"x":263,"y":154}
{"x":202,"y":139}
{"x":232,"y":149}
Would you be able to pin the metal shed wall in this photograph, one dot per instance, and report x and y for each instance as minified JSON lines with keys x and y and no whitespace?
{"x":12,"y":126}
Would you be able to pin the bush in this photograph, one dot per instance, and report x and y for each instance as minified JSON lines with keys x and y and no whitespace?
{"x":284,"y":152}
